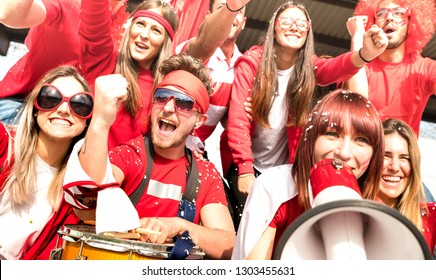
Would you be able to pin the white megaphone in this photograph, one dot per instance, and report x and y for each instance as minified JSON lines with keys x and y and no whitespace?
{"x":342,"y":225}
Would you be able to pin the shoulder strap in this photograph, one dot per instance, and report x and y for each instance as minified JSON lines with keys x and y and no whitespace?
{"x":137,"y":194}
{"x":192,"y":186}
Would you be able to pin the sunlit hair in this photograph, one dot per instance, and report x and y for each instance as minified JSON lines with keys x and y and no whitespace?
{"x":189,"y":64}
{"x":301,"y":85}
{"x":21,"y":180}
{"x":129,"y":67}
{"x":413,"y":195}
{"x":422,"y":20}
{"x":343,"y":111}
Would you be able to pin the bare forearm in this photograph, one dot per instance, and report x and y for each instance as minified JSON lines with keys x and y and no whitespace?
{"x":94,"y":152}
{"x":22,"y":13}
{"x":216,"y":243}
{"x":110,"y":91}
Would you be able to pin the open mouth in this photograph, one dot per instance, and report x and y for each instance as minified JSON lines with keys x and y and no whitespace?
{"x":141,"y":46}
{"x":166,"y":126}
{"x":389,"y":28}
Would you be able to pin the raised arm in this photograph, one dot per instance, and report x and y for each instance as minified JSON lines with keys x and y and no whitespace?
{"x":214,"y":30}
{"x":356,"y":29}
{"x":97,"y":54}
{"x":110,"y":91}
{"x":22,"y":13}
{"x":341,"y":68}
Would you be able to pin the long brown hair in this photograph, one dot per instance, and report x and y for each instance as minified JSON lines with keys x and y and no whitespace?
{"x":129,"y":67}
{"x":341,"y":109}
{"x":413,"y":195}
{"x":301,"y":85}
{"x":21,"y":180}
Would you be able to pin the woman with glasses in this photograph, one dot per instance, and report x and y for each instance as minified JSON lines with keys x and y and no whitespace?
{"x":281,"y":76}
{"x":33,"y":161}
{"x":147,"y":41}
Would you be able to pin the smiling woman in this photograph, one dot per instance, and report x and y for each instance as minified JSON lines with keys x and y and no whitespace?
{"x":281,"y":77}
{"x":32,"y":170}
{"x":401,"y":185}
{"x":146,"y":42}
{"x":343,"y":127}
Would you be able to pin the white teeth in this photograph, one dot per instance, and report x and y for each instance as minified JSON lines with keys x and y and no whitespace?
{"x":167,"y":121}
{"x":166,"y":126}
{"x":60,"y":122}
{"x":392,"y":179}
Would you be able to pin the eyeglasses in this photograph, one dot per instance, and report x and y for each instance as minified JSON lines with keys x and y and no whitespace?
{"x":398,"y":12}
{"x":286,"y":23}
{"x":183,"y":102}
{"x":49,"y":98}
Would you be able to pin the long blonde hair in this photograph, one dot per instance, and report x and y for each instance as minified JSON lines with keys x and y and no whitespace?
{"x":410,"y":200}
{"x":21,"y":180}
{"x":129,"y":67}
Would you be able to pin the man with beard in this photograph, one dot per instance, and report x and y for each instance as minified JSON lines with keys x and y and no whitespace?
{"x":180,"y":102}
{"x":399,"y":81}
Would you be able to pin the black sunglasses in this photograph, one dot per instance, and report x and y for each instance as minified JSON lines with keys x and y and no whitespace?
{"x":49,"y":98}
{"x":183,"y":102}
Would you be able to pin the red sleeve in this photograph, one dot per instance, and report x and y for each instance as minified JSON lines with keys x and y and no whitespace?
{"x":211,"y":188}
{"x":239,"y":126}
{"x":131,"y":158}
{"x":191,"y":14}
{"x":4,"y":143}
{"x":97,"y":53}
{"x":334,"y":70}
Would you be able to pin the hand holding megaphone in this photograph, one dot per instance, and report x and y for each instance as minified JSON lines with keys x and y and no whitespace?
{"x":342,"y":232}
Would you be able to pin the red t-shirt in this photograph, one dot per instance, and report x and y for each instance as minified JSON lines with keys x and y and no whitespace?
{"x":50,"y":44}
{"x":401,"y":90}
{"x":168,"y":180}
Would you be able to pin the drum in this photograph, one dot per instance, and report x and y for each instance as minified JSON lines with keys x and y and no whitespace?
{"x":79,"y":242}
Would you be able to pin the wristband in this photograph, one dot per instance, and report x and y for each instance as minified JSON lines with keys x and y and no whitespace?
{"x":361,"y":57}
{"x":234,"y":11}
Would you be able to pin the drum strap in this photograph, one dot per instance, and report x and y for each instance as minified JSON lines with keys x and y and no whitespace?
{"x":184,"y":244}
{"x":187,"y":204}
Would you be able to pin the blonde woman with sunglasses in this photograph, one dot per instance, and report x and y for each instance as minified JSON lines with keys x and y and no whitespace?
{"x":33,"y":161}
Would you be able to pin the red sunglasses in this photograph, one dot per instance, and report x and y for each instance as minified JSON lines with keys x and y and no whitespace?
{"x":182,"y":101}
{"x":50,"y":98}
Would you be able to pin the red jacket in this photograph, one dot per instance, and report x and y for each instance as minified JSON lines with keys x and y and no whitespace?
{"x":240,"y":130}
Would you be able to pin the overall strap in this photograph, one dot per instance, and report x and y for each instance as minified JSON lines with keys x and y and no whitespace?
{"x":137,"y":194}
{"x":183,"y":244}
{"x":192,"y":186}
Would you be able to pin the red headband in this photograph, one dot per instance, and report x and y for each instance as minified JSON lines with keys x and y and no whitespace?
{"x":189,"y":84}
{"x":156,"y":17}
